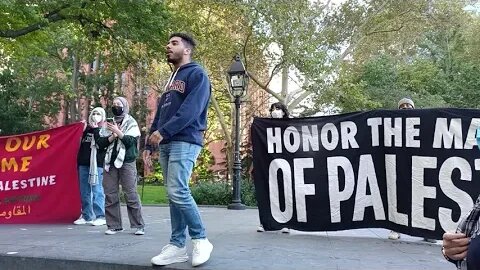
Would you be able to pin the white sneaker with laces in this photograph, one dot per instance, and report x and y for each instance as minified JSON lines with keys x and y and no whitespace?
{"x":99,"y":222}
{"x":170,"y":254}
{"x":113,"y":231}
{"x":202,"y":248}
{"x":260,"y":228}
{"x":81,"y":221}
{"x":393,"y":235}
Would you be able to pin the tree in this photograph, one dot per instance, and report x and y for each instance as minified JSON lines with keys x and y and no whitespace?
{"x":64,"y":35}
{"x":433,"y":62}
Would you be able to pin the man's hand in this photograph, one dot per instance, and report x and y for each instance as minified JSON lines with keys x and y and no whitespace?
{"x":155,"y":138}
{"x":455,"y":245}
{"x":147,"y":159}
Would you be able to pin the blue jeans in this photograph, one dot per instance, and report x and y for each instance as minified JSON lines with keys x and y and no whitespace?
{"x":93,"y":198}
{"x":177,"y":160}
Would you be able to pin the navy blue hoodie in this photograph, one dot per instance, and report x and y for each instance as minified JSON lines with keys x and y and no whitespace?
{"x":182,"y":110}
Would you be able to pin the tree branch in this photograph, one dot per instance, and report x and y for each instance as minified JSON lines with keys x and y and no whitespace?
{"x":297,"y":101}
{"x":275,"y":71}
{"x":53,"y":16}
{"x":265,"y":87}
{"x":385,"y":31}
{"x":223,"y":124}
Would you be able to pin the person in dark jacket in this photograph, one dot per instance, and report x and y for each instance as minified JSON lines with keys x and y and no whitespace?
{"x":90,"y":171}
{"x":178,"y":127}
{"x":121,"y":168}
{"x":462,"y":247}
{"x":277,"y":110}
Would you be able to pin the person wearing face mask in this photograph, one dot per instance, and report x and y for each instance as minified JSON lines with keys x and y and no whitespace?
{"x":120,"y":140}
{"x":90,"y":172}
{"x":277,"y":110}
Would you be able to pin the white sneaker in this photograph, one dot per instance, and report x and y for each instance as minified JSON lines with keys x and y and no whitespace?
{"x":81,"y":221}
{"x":113,"y":231}
{"x":393,"y":235}
{"x":140,"y":231}
{"x":202,"y":248}
{"x":285,"y":230}
{"x":260,"y":228}
{"x":170,"y":254}
{"x":99,"y":222}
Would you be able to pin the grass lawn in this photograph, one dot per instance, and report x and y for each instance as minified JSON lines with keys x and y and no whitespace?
{"x":153,"y":194}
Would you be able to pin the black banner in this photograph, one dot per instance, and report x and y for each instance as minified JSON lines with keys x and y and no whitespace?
{"x":412,"y":171}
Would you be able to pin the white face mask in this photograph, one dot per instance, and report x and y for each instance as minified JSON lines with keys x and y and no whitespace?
{"x":97,"y":118}
{"x":277,"y":114}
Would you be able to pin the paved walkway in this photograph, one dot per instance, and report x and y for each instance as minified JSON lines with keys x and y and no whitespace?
{"x":232,"y":232}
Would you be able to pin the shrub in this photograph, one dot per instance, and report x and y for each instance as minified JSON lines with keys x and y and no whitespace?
{"x":248,"y":193}
{"x":220,"y":193}
{"x":211,"y":193}
{"x":155,"y":178}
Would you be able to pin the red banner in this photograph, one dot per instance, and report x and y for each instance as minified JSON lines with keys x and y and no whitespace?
{"x":38,"y":176}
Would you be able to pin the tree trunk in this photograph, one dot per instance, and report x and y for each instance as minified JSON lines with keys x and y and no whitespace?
{"x":94,"y":73}
{"x":227,"y":135}
{"x":285,"y":84}
{"x":73,"y":103}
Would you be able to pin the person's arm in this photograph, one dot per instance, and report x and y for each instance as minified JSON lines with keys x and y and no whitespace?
{"x":97,"y":138}
{"x":129,"y":141}
{"x":193,"y":105}
{"x":153,"y":128}
{"x":455,"y":246}
{"x":104,"y":142}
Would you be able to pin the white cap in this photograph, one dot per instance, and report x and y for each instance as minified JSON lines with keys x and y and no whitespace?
{"x":406,"y":101}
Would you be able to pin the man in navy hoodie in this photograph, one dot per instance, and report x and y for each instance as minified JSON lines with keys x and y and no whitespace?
{"x":178,"y":127}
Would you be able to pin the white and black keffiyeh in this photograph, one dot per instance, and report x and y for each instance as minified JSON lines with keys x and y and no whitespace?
{"x":129,"y":127}
{"x":470,"y":226}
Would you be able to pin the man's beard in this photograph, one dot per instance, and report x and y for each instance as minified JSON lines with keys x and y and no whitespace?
{"x":173,"y":60}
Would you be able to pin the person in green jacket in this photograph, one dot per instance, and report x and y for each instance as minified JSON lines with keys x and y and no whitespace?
{"x":121,"y":140}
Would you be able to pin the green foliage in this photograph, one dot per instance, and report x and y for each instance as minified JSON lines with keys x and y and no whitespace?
{"x":432,"y":59}
{"x":156,"y":177}
{"x":382,"y":81}
{"x":220,"y":193}
{"x":149,"y":194}
{"x":202,"y":170}
{"x":248,"y":193}
{"x":25,"y":102}
{"x":152,"y":194}
{"x":39,"y":41}
{"x":212,"y":193}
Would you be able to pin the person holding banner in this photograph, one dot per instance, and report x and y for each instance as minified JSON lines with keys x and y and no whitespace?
{"x":403,"y":104}
{"x":463,"y":247}
{"x":121,"y":169}
{"x":90,"y":171}
{"x":277,"y":110}
{"x":406,"y":104}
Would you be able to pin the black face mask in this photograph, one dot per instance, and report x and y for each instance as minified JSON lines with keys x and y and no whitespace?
{"x":117,"y":110}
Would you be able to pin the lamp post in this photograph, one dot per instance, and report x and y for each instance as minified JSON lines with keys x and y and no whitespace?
{"x":238,"y":80}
